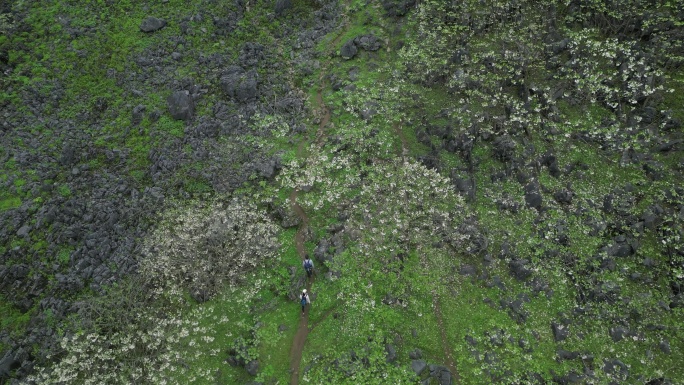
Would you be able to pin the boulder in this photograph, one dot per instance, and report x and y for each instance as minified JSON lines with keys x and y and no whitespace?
{"x":349,"y":49}
{"x":615,"y":368}
{"x":560,"y":331}
{"x":468,"y":270}
{"x":416,"y":354}
{"x":252,"y":367}
{"x":281,"y":6}
{"x":8,"y":363}
{"x":418,"y":366}
{"x":397,"y":8}
{"x":368,"y":42}
{"x":665,"y":346}
{"x":519,"y":270}
{"x":391,"y":355}
{"x":138,"y":114}
{"x":566,"y":355}
{"x":533,"y":199}
{"x":152,"y":24}
{"x":239,"y":84}
{"x":181,"y":105}
{"x":441,"y":374}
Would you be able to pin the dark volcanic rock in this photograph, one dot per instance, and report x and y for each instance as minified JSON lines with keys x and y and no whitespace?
{"x":396,"y":8}
{"x":252,"y":367}
{"x":281,"y":6}
{"x":181,"y":105}
{"x":8,"y":363}
{"x":560,"y":331}
{"x":441,"y":374}
{"x":418,"y":366}
{"x":368,"y":42}
{"x":391,"y":355}
{"x":533,"y":199}
{"x":468,"y":270}
{"x":152,"y":24}
{"x":616,"y":368}
{"x":519,"y":270}
{"x":416,"y":354}
{"x":239,"y":84}
{"x":349,"y":50}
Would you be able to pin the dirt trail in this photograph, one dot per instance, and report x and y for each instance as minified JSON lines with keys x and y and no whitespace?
{"x":324,"y":113}
{"x":302,"y":329}
{"x":450,"y":363}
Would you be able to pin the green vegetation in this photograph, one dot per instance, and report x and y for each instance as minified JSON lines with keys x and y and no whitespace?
{"x":494,"y":189}
{"x":9,"y":203}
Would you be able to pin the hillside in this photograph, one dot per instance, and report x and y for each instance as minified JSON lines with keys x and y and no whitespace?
{"x":490,"y":192}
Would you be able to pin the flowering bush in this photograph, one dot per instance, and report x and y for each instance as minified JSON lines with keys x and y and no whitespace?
{"x":207,"y":245}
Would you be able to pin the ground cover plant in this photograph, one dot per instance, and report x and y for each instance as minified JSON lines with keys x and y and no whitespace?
{"x":489,"y":191}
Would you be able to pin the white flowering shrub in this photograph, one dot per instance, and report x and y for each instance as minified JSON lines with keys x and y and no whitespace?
{"x":204,"y":246}
{"x":610,"y":70}
{"x":330,"y":174}
{"x":145,"y":342}
{"x":140,"y":331}
{"x":401,"y":202}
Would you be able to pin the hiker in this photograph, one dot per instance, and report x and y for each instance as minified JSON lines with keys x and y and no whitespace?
{"x":308,"y":265}
{"x":304,"y":299}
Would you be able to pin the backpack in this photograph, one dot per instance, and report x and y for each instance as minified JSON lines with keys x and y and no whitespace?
{"x":307,"y":264}
{"x":303,"y":301}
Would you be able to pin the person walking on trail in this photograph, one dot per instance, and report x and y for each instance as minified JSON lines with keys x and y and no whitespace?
{"x":308,"y":265}
{"x":304,"y":299}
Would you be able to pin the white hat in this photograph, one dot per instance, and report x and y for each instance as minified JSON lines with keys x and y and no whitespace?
{"x":304,"y":291}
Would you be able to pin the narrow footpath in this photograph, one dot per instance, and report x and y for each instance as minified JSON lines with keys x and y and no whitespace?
{"x":303,"y":328}
{"x":323,"y":112}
